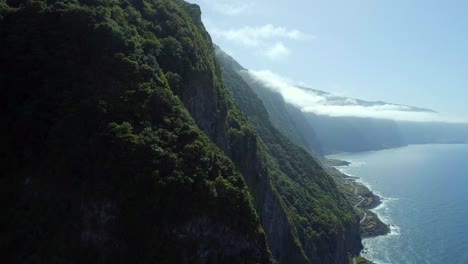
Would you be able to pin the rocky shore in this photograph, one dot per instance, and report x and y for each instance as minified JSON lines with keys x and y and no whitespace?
{"x":363,"y":200}
{"x":372,"y":226}
{"x":335,"y":162}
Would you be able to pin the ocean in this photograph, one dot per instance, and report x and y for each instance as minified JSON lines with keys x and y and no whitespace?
{"x":425,"y":200}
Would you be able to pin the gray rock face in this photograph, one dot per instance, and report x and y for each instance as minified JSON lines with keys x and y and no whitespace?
{"x":279,"y":231}
{"x":202,"y":99}
{"x":214,"y":237}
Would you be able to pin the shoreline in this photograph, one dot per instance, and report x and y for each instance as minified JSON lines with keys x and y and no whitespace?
{"x":370,"y":223}
{"x":362,"y":198}
{"x":397,"y":205}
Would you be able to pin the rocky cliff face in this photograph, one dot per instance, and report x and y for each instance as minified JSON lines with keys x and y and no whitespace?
{"x":210,"y":103}
{"x":280,"y":233}
{"x":201,"y":99}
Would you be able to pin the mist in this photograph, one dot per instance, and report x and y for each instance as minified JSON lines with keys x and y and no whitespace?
{"x":325,"y":104}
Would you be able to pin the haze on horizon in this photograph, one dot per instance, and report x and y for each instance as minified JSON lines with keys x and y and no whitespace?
{"x":404,"y":52}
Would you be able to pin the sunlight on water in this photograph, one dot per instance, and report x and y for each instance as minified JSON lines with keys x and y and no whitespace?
{"x":423,"y":200}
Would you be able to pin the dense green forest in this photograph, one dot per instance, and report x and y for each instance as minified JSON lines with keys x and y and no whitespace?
{"x":103,"y":160}
{"x":123,"y":144}
{"x":287,"y":118}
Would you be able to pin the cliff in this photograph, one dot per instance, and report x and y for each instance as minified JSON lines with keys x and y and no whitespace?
{"x":354,"y":134}
{"x":286,"y":118}
{"x":307,"y":220}
{"x":106,"y":158}
{"x":124,"y":144}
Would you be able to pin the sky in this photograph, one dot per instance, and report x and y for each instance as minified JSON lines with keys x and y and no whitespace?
{"x":408,"y":52}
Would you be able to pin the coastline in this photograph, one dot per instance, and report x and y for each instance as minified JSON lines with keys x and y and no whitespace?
{"x":406,"y":205}
{"x":364,"y":200}
{"x":361,"y":197}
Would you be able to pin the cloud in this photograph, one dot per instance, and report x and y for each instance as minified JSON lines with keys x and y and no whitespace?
{"x":277,"y":51}
{"x":381,"y":112}
{"x":267,"y":40}
{"x":257,"y":36}
{"x":329,"y":105}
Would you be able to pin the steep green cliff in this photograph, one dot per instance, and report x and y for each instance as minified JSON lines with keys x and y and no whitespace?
{"x":103,"y":162}
{"x":307,"y":219}
{"x":123,"y":144}
{"x":285,"y":117}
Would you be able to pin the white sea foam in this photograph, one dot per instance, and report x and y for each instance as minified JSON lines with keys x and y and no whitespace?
{"x":352,"y":164}
{"x":345,"y":171}
{"x":430,"y":207}
{"x":366,"y":184}
{"x":383,"y":211}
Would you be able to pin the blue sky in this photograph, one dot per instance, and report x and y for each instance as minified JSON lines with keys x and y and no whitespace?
{"x":400,"y":51}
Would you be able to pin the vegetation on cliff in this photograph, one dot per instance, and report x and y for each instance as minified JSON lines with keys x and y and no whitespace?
{"x":103,"y":161}
{"x":123,"y":144}
{"x":321,"y":219}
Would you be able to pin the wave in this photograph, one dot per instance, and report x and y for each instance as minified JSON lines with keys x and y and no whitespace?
{"x":344,"y":170}
{"x":373,"y":250}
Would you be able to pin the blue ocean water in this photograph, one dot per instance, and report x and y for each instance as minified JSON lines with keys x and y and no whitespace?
{"x":425,"y":191}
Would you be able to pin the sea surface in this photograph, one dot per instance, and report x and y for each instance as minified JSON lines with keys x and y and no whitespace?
{"x":425,"y":200}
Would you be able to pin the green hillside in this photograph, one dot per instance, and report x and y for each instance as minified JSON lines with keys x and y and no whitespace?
{"x":104,"y":163}
{"x":286,"y":118}
{"x":124,"y":144}
{"x":321,"y":220}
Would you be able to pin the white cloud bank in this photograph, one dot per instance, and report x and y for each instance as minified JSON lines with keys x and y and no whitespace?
{"x":330,"y":105}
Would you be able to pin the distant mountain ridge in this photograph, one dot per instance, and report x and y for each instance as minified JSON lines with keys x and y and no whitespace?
{"x":342,"y":100}
{"x":325,"y":134}
{"x":334,"y":133}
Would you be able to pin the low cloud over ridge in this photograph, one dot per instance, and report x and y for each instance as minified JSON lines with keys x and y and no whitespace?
{"x":321,"y":103}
